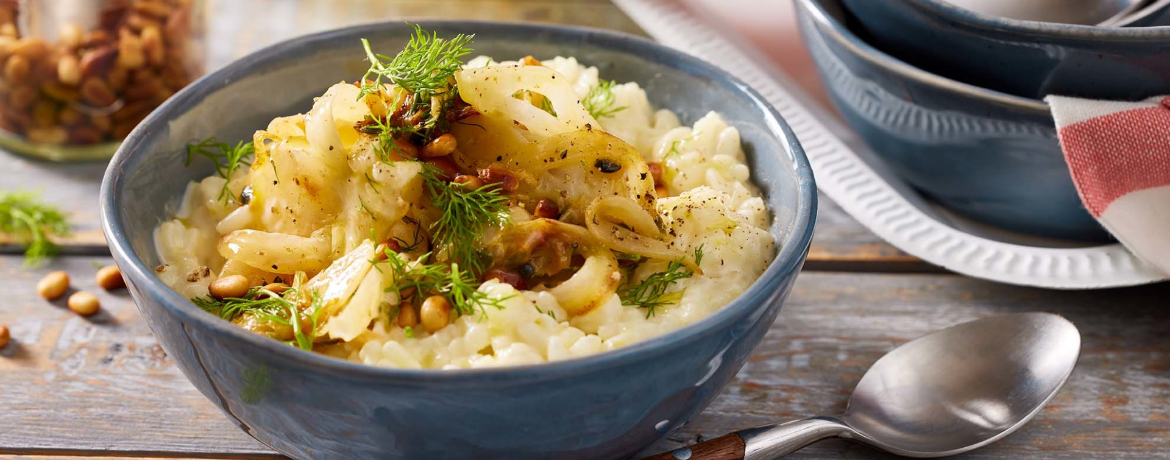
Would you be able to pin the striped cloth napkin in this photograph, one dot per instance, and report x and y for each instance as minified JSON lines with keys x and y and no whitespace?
{"x":1119,"y":157}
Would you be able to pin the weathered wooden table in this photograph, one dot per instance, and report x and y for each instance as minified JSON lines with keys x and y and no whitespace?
{"x":72,"y":387}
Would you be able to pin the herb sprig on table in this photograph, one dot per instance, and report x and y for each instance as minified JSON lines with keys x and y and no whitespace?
{"x":651,"y":293}
{"x":25,"y":218}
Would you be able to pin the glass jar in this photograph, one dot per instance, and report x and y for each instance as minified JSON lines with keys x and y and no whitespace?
{"x":78,"y":75}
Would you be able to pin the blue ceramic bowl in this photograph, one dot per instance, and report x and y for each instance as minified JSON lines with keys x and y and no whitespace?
{"x":1024,"y":58}
{"x":987,"y":155}
{"x":310,"y":406}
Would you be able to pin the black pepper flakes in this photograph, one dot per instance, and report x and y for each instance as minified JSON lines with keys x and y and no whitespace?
{"x":607,"y":165}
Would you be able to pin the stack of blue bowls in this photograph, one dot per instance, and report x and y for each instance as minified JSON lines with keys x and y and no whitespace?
{"x":953,"y":99}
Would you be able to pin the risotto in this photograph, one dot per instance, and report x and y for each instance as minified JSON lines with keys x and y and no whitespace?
{"x":447,"y":214}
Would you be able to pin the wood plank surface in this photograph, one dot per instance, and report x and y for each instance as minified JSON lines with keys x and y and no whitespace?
{"x":75,"y":386}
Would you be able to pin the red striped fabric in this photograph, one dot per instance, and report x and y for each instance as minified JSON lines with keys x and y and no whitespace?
{"x":1112,"y":155}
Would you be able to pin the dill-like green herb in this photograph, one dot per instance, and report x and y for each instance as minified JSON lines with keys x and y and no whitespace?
{"x":225,"y":157}
{"x":464,"y":215}
{"x":550,"y":313}
{"x":232,"y":307}
{"x":416,"y":238}
{"x":385,"y":145}
{"x":301,"y":338}
{"x":600,"y":100}
{"x":673,"y":150}
{"x":409,"y":331}
{"x":651,"y":292}
{"x":546,"y":105}
{"x":281,"y":309}
{"x":536,"y":99}
{"x":415,"y":281}
{"x":425,"y":67}
{"x":30,"y":222}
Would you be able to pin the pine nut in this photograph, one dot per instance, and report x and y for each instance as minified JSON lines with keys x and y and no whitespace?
{"x":435,"y":313}
{"x":547,"y":209}
{"x":110,"y":278}
{"x":407,"y":317}
{"x":229,"y":286}
{"x":440,"y":146}
{"x":97,"y":93}
{"x":130,"y":53}
{"x":152,"y":45}
{"x":70,"y":35}
{"x":84,"y":303}
{"x":69,"y":70}
{"x":17,"y":69}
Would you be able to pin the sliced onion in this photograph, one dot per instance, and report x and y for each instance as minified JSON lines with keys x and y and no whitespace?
{"x":490,"y":90}
{"x":354,"y":318}
{"x":623,"y":226}
{"x":591,"y":286}
{"x":336,"y":284}
{"x":276,"y":252}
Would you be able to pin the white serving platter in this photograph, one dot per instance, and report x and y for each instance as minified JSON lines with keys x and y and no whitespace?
{"x":857,"y":180}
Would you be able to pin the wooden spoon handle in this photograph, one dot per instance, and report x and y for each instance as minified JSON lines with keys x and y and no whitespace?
{"x":726,"y":447}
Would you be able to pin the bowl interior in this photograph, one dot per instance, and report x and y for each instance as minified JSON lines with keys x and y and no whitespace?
{"x":148,"y":175}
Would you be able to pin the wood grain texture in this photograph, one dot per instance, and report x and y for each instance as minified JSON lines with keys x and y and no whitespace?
{"x":99,"y":383}
{"x":81,"y":387}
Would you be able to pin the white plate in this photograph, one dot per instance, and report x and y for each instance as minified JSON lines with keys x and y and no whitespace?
{"x":849,"y":173}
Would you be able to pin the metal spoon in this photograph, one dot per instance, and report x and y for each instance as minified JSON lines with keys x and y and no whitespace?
{"x":1085,"y":12}
{"x":942,"y":394}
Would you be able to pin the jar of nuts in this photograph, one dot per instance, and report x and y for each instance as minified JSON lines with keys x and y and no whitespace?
{"x":77,"y":75}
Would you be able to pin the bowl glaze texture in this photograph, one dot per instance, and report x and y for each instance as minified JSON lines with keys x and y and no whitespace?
{"x":987,"y":155}
{"x":311,"y":406}
{"x":1024,"y":58}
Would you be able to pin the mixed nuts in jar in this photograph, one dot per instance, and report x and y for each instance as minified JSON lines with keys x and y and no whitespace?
{"x":78,"y":75}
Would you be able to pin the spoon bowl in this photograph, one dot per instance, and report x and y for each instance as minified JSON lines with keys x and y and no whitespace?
{"x":963,"y":387}
{"x":942,"y":394}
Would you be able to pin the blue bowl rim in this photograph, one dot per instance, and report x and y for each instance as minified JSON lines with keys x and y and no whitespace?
{"x":787,"y":262}
{"x":859,"y":47}
{"x":1038,"y":29}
